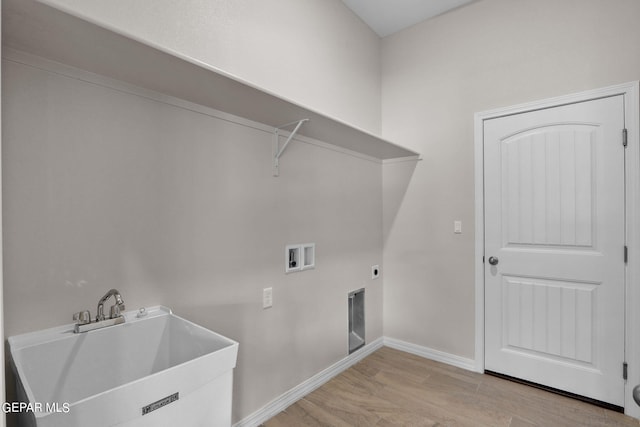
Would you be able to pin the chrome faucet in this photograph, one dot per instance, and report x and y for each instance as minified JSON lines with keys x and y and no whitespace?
{"x":83,"y":318}
{"x":115,"y":309}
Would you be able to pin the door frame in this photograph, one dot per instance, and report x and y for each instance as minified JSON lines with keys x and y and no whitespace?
{"x":631,"y":92}
{"x":2,"y":347}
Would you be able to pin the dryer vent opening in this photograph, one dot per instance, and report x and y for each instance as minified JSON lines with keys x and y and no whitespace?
{"x":356,"y":320}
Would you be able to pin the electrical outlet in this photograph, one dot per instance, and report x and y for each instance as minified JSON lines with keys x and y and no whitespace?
{"x":457,"y":227}
{"x":375,"y":271}
{"x":267,"y":297}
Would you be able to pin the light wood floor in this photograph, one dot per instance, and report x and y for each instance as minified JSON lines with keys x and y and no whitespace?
{"x":393,"y":388}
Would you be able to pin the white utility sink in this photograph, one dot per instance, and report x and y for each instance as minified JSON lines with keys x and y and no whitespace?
{"x":155,"y":370}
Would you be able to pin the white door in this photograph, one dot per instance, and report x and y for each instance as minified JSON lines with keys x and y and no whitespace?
{"x":554,"y":228}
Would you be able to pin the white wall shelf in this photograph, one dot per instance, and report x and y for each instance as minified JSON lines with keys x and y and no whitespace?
{"x":41,"y":30}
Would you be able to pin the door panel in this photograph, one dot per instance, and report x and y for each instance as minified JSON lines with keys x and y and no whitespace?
{"x":554,"y":218}
{"x":548,"y":202}
{"x":539,"y":313}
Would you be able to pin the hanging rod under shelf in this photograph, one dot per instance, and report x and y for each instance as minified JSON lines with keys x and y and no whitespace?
{"x":277,"y":151}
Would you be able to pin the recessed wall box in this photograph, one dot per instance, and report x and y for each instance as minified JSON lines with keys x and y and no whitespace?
{"x":300,"y":257}
{"x":308,"y":256}
{"x":292,"y":258}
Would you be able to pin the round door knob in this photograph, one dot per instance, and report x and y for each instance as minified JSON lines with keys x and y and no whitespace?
{"x":493,"y":260}
{"x":636,"y":394}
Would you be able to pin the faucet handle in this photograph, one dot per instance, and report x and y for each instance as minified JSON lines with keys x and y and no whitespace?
{"x":82,"y":317}
{"x":115,"y":310}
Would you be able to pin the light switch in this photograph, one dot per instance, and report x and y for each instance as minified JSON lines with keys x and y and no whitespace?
{"x":457,"y":227}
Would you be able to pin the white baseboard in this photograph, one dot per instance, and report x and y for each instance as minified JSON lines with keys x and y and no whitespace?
{"x":429,"y":353}
{"x":298,"y":392}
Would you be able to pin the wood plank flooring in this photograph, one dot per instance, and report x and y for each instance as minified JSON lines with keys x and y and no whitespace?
{"x":393,"y":388}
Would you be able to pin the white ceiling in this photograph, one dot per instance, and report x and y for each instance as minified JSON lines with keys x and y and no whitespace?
{"x":386,"y":17}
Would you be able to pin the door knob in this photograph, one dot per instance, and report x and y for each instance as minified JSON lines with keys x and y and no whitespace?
{"x":493,"y":260}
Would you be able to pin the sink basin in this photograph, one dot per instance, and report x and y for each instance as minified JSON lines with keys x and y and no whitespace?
{"x":159,"y":369}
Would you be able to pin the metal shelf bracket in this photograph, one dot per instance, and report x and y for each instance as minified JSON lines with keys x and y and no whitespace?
{"x":277,"y":150}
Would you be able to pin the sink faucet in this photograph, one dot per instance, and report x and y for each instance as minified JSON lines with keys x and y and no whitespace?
{"x":115,"y":309}
{"x":83,"y":318}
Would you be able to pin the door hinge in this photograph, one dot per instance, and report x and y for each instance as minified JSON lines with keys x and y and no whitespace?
{"x":624,"y":137}
{"x":624,"y":370}
{"x":626,"y":254}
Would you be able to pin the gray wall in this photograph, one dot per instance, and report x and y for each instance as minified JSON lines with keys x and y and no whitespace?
{"x":104,"y":188}
{"x":435,"y":76}
{"x":317,"y":53}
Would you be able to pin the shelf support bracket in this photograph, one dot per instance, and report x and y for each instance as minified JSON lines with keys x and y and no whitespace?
{"x":277,"y":150}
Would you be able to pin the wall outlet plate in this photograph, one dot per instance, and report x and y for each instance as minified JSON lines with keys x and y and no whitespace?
{"x":267,"y":298}
{"x":375,"y":271}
